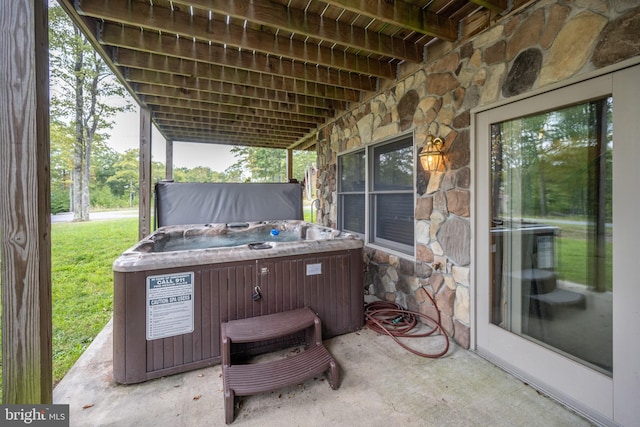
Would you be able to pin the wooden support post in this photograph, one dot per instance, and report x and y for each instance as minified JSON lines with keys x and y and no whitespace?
{"x":169,"y":161}
{"x":289,"y":164}
{"x":144,"y":180}
{"x":25,"y":213}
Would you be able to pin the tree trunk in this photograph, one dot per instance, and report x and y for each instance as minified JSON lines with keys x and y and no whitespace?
{"x":86,"y":179}
{"x":90,"y":127}
{"x":78,"y":152}
{"x":77,"y":174}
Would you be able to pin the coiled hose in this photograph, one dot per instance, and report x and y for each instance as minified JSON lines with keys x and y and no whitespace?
{"x":390,"y":318}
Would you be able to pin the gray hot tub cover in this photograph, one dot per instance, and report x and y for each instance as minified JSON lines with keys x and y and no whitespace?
{"x":180,"y":203}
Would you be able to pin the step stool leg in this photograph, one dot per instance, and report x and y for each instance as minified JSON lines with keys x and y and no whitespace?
{"x":229,"y":398}
{"x":334,"y":375}
{"x":317,"y":329}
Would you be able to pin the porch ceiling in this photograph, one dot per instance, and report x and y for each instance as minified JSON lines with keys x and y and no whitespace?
{"x":265,"y":73}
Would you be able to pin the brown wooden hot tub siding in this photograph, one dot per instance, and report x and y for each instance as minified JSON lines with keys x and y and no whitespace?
{"x":223,"y":292}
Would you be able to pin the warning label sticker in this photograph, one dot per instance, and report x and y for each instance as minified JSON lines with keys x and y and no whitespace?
{"x":169,"y":305}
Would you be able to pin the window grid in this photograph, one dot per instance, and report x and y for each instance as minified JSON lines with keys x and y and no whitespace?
{"x":379,"y":208}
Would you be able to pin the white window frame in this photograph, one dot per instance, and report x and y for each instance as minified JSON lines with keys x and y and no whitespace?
{"x":368,"y":236}
{"x":341,"y":193}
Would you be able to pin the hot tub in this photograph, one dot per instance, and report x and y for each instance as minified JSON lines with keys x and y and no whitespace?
{"x":174,"y":288}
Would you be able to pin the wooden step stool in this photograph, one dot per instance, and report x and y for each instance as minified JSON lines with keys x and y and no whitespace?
{"x":254,"y":378}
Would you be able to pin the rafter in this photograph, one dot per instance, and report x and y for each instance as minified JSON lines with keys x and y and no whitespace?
{"x":142,"y":15}
{"x":257,"y":122}
{"x":404,"y":15}
{"x":243,"y":130}
{"x":197,"y":69}
{"x":335,"y":98}
{"x":271,"y":14}
{"x":255,"y":117}
{"x":146,"y":41}
{"x":227,"y":139}
{"x":232,"y":109}
{"x":305,"y":143}
{"x":498,"y":6}
{"x":262,"y":67}
{"x":227,"y":100}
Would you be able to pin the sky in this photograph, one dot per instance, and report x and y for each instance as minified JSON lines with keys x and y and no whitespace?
{"x":126,"y":135}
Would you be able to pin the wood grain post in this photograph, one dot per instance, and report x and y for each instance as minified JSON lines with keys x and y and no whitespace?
{"x":144,"y":180}
{"x":169,"y":161}
{"x":289,"y":164}
{"x":25,"y":203}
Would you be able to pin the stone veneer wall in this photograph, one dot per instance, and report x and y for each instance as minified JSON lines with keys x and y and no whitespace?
{"x":545,"y":43}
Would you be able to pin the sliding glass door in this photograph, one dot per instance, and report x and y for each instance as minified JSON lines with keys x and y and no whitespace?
{"x":551,"y":230}
{"x":553,"y":272}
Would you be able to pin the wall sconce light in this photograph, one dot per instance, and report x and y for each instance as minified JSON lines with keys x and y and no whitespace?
{"x":432,"y":154}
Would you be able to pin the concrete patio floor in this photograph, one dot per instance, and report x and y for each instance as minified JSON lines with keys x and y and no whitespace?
{"x":382,"y":384}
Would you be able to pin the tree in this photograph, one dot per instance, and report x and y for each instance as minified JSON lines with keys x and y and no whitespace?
{"x":268,"y":164}
{"x":235,"y":173}
{"x":261,"y":164}
{"x":60,"y":166}
{"x":83,"y":91}
{"x":125,"y":180}
{"x":302,"y":160}
{"x":104,"y":165}
{"x":199,"y":174}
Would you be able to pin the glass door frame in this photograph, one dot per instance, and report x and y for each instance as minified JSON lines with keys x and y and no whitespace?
{"x":584,"y":389}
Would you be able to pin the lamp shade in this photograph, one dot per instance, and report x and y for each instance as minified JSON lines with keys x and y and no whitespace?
{"x":431,"y":154}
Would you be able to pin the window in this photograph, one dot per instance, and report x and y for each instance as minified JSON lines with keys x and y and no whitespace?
{"x":384,"y":186}
{"x":351,"y":188}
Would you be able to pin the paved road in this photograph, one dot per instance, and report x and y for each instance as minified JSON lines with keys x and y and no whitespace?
{"x":68,"y":216}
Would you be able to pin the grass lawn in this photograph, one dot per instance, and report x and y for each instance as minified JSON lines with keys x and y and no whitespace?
{"x":573,"y":262}
{"x":82,"y":283}
{"x":82,"y":254}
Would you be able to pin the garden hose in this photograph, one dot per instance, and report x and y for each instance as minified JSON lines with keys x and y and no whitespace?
{"x":390,"y":318}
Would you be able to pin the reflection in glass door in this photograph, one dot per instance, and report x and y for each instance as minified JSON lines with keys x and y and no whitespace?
{"x":551,"y":231}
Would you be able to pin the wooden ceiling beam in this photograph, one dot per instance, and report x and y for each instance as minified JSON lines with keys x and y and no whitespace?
{"x":276,"y":15}
{"x":189,"y":68}
{"x":305,"y":143}
{"x":171,"y":110}
{"x":294,"y":64}
{"x":266,"y":141}
{"x":242,"y":130}
{"x":252,"y":128}
{"x":332,"y":101}
{"x":227,"y":139}
{"x":196,"y":69}
{"x":404,"y":15}
{"x":146,"y":41}
{"x":230,"y":130}
{"x":229,"y":134}
{"x":160,"y":20}
{"x":498,"y":6}
{"x":151,"y":100}
{"x":236,"y":121}
{"x":227,"y":100}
